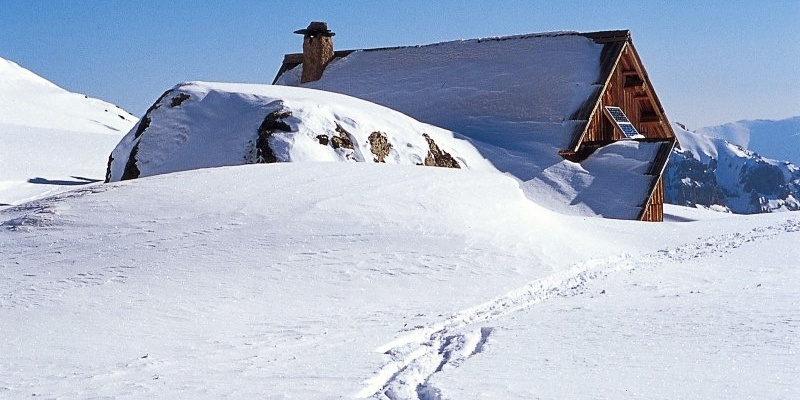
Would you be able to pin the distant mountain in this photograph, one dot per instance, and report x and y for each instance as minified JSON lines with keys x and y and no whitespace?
{"x":51,"y":139}
{"x":775,"y":139}
{"x":712,"y":172}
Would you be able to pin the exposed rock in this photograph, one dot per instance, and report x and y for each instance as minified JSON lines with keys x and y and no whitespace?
{"x":323,"y":140}
{"x":144,"y":123}
{"x":131,"y":169}
{"x":108,"y":168}
{"x":689,"y":181}
{"x":438,"y":157}
{"x":342,"y":140}
{"x":761,"y":177}
{"x":272,"y":122}
{"x":177,"y":100}
{"x":380,"y":146}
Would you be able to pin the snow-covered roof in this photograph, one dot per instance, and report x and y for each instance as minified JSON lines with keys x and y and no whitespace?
{"x":497,"y":91}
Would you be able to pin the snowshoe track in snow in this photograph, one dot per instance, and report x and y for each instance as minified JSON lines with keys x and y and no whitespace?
{"x":424,"y":351}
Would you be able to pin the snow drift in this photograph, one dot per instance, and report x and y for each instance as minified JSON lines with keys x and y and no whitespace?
{"x":200,"y":125}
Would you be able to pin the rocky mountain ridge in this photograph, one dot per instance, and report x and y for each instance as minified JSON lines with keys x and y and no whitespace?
{"x":711,"y":172}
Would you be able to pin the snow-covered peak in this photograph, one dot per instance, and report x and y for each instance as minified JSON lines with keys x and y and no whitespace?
{"x":12,"y":74}
{"x":775,"y":139}
{"x":27,"y":99}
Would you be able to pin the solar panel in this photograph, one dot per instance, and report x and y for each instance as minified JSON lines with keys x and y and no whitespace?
{"x":617,"y":114}
{"x":622,"y":122}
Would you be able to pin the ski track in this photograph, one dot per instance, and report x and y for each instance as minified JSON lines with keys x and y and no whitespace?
{"x":422,"y":352}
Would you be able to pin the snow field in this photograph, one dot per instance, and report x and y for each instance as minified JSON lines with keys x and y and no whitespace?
{"x":284,"y":280}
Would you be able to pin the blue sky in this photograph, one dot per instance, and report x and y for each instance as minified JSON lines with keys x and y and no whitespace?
{"x":711,"y":62}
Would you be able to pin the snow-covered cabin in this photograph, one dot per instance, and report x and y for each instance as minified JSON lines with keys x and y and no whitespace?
{"x":574,"y":115}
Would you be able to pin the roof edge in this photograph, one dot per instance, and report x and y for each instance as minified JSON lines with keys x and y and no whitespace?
{"x":291,"y":60}
{"x":608,"y":36}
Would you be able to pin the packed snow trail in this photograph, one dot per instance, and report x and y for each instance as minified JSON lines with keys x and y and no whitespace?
{"x":426,"y":350}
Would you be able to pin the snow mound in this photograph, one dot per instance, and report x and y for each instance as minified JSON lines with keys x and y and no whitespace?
{"x":200,"y":125}
{"x":273,"y":281}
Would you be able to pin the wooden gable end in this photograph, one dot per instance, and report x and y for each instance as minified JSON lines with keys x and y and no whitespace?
{"x":625,"y":84}
{"x":629,"y":88}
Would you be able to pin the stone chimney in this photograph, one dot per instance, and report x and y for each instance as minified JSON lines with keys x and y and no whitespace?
{"x":317,"y":50}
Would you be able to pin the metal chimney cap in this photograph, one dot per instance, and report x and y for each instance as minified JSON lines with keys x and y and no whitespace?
{"x":316,"y":28}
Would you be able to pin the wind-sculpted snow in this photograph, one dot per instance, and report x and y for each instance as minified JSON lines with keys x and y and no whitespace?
{"x":679,"y":322}
{"x":202,"y":125}
{"x":417,"y":356}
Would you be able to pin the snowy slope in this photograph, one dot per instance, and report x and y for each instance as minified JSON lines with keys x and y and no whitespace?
{"x":708,"y":171}
{"x":200,"y":125}
{"x":29,"y":100}
{"x":779,"y":140}
{"x":390,"y":281}
{"x":50,"y":139}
